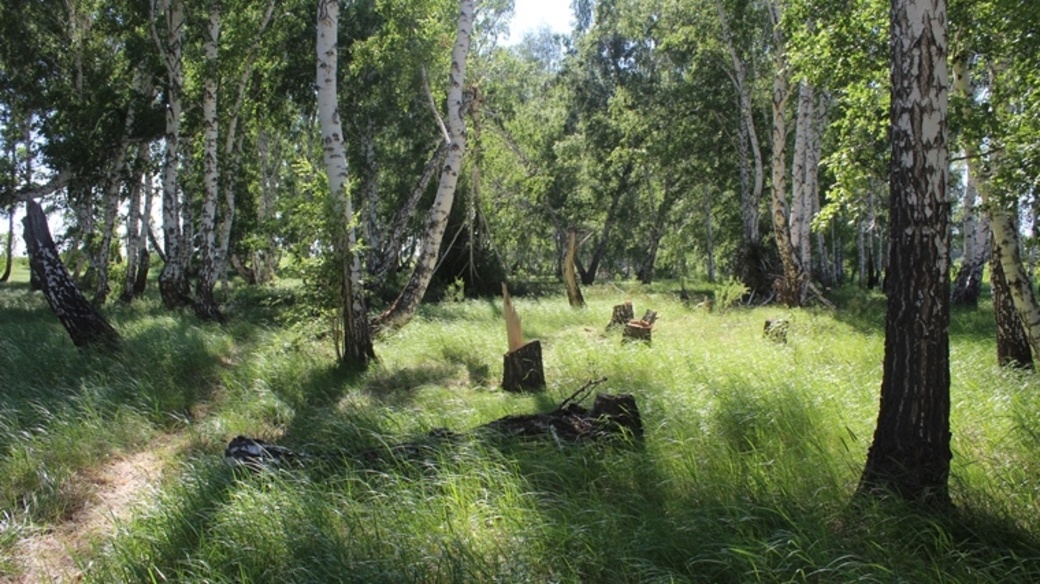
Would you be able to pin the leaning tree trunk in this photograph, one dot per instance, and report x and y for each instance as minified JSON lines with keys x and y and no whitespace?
{"x":910,"y":455}
{"x":1012,"y":343}
{"x":84,"y":324}
{"x":386,"y":261}
{"x":407,"y":302}
{"x":173,"y":281}
{"x":357,"y":343}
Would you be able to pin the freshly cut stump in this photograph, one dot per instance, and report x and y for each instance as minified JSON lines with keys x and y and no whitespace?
{"x":522,"y":369}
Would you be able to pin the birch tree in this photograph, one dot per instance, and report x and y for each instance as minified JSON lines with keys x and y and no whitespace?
{"x":792,"y":289}
{"x":910,"y":454}
{"x":357,"y":344}
{"x":173,"y":281}
{"x":402,"y":309}
{"x":205,"y":305}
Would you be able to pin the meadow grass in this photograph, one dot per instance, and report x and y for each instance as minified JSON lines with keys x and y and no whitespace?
{"x":751,"y":454}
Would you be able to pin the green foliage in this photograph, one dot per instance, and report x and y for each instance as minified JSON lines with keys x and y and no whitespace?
{"x":729,"y":294}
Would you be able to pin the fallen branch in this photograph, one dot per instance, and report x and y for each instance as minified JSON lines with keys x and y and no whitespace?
{"x":611,"y":416}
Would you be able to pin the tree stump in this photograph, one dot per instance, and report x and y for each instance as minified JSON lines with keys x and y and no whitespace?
{"x":622,"y":314}
{"x":776,"y":330}
{"x":637,"y":330}
{"x":522,"y":368}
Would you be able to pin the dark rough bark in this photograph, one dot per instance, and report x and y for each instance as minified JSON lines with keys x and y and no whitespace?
{"x":910,"y":454}
{"x":1013,"y":348}
{"x":84,"y":324}
{"x":144,"y":263}
{"x":967,"y":286}
{"x":522,"y":369}
{"x":358,"y":350}
{"x":621,"y":315}
{"x":611,"y":415}
{"x":636,"y":330}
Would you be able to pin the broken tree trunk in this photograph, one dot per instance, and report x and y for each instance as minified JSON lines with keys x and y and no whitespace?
{"x":641,"y":329}
{"x":522,"y":368}
{"x":84,"y":324}
{"x":570,"y":276}
{"x":611,"y":415}
{"x":622,"y":314}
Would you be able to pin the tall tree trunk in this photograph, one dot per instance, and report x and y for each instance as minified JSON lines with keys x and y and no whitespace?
{"x":135,"y":233}
{"x":967,"y":286}
{"x":370,"y":195}
{"x":173,"y":281}
{"x":1002,"y":221}
{"x":357,"y":342}
{"x":657,"y":229}
{"x":84,"y":324}
{"x":910,"y":455}
{"x":406,"y":303}
{"x":205,"y":304}
{"x":12,"y":156}
{"x":792,"y":289}
{"x":751,"y":192}
{"x":801,"y":204}
{"x":1012,"y":343}
{"x":393,"y":236}
{"x":265,"y":259}
{"x":588,"y":276}
{"x":144,"y":258}
{"x":8,"y":246}
{"x":233,"y":141}
{"x":113,"y":186}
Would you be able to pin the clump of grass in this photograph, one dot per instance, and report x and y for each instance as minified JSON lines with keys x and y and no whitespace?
{"x":751,"y":454}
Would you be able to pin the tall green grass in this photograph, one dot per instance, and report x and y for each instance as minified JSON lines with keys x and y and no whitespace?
{"x":752,"y":450}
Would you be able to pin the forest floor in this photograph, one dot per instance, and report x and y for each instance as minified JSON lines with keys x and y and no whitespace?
{"x":116,"y":488}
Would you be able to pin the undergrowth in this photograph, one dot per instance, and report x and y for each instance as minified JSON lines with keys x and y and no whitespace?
{"x":751,"y":453}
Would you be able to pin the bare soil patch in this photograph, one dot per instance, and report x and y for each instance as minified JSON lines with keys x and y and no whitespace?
{"x":117,"y":486}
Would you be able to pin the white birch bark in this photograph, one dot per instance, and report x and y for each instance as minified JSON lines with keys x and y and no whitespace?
{"x":172,"y":282}
{"x":357,"y":344}
{"x":801,"y":203}
{"x":404,"y":306}
{"x":751,"y":194}
{"x":1002,"y":222}
{"x":793,"y":289}
{"x":135,"y":233}
{"x":205,"y":304}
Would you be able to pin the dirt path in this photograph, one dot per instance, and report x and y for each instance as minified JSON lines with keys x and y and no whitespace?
{"x":117,"y":487}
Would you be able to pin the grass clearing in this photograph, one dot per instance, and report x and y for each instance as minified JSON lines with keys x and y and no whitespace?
{"x":752,"y":449}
